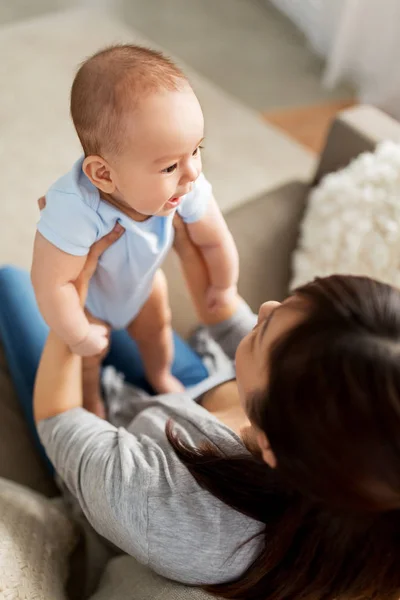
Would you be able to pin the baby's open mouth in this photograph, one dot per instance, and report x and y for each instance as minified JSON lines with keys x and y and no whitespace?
{"x":174,"y":201}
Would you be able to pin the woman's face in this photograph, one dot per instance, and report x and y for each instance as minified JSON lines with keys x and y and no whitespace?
{"x":253,"y":353}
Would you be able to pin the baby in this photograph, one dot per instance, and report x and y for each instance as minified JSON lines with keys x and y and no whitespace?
{"x":140,"y":126}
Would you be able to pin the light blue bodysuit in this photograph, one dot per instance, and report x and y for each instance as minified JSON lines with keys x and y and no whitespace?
{"x":75,"y":217}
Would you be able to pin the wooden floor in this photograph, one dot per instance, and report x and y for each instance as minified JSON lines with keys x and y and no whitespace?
{"x":308,"y":125}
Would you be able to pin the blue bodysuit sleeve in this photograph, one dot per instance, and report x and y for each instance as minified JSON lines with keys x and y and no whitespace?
{"x":69,"y":223}
{"x":194,"y":205}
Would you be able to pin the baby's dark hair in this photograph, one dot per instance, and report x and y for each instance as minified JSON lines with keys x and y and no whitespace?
{"x":109,"y":86}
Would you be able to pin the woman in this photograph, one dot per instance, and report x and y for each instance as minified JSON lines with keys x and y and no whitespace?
{"x":281,"y":485}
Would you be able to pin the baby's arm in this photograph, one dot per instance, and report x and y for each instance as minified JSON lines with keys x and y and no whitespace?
{"x":53,"y":274}
{"x":215,"y":242}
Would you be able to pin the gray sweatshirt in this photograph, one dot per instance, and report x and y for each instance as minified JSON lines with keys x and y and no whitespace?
{"x":136,"y":493}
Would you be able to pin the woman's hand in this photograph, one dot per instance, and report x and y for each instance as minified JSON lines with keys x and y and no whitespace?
{"x":82,"y":283}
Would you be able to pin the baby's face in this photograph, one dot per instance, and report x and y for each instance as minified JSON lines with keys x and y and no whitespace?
{"x":163,"y":158}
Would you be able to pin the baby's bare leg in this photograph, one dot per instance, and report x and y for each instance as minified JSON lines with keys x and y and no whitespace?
{"x":227,"y":325}
{"x":91,"y":377}
{"x":152,"y":331}
{"x":92,"y":400}
{"x":197,"y":278}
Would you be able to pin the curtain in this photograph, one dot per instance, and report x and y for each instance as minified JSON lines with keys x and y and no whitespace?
{"x":366,"y":51}
{"x":317,"y":19}
{"x":360,"y":40}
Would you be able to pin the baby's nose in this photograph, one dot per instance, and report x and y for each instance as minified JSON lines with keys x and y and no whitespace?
{"x":192,"y":172}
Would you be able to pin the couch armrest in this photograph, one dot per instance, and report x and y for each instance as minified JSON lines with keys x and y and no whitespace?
{"x":19,"y":458}
{"x":355,"y":130}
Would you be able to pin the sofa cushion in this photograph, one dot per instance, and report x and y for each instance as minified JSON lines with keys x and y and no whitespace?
{"x":125,"y":578}
{"x":36,"y":538}
{"x":266,"y":233}
{"x":19,"y":459}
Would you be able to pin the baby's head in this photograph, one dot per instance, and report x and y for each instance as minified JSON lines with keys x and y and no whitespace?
{"x":140,"y":125}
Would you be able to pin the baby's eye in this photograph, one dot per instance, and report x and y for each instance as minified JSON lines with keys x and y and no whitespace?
{"x":197,"y":151}
{"x":170,"y":169}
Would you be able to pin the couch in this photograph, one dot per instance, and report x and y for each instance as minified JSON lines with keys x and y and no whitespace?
{"x":266,"y":231}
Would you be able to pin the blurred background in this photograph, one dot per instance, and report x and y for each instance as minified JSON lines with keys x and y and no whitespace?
{"x":267,"y":53}
{"x":266,"y":71}
{"x":271,"y":54}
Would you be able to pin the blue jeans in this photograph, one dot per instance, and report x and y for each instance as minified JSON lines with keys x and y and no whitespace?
{"x":23,"y":334}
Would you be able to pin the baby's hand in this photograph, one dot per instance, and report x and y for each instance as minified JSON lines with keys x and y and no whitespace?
{"x":219,"y":297}
{"x":94,"y":343}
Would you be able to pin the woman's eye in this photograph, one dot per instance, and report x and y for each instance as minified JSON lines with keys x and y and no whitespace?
{"x":170,"y":169}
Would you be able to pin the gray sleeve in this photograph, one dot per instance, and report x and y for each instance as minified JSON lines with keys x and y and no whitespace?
{"x":230,"y":333}
{"x":108,"y":470}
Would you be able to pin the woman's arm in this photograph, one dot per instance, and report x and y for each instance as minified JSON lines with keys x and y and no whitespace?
{"x":58,"y":385}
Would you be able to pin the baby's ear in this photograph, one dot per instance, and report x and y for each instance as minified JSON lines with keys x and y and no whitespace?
{"x":99,"y":173}
{"x":42,"y":202}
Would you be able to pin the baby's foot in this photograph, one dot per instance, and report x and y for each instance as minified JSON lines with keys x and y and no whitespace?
{"x":166,"y":383}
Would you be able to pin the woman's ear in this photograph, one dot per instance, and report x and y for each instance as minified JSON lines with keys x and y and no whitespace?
{"x":266,"y":452}
{"x":100,"y":174}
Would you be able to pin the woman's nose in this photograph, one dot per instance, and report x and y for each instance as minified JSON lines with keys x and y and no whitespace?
{"x":266,"y":309}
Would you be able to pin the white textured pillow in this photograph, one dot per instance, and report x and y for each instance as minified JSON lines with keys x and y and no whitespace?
{"x":36,"y":538}
{"x":352,"y":222}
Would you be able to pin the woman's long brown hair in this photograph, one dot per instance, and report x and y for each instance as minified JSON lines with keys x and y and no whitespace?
{"x":331,"y":413}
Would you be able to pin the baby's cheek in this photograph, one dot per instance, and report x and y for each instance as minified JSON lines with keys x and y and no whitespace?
{"x":166,"y":191}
